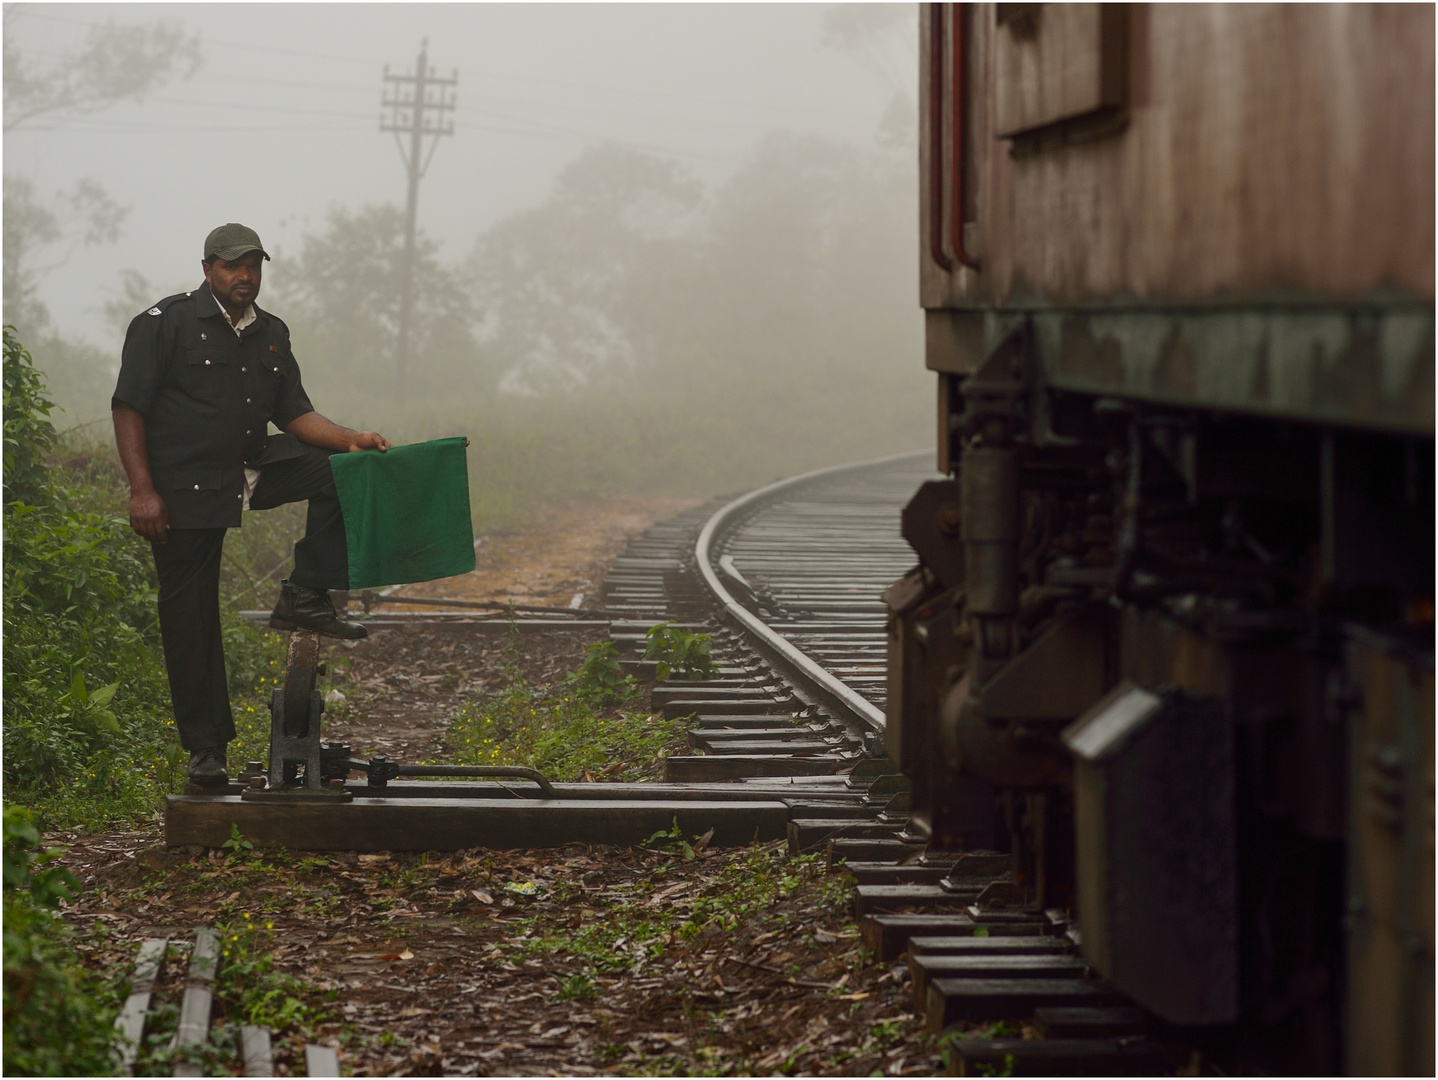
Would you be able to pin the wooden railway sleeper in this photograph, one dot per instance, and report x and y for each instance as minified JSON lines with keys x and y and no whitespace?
{"x":193,"y":1030}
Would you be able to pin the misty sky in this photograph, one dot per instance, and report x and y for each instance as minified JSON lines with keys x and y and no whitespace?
{"x":281,"y":122}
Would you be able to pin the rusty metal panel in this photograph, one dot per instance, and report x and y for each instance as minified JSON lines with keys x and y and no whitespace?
{"x":954,"y":341}
{"x":1390,"y":879}
{"x":1365,"y":365}
{"x":1155,"y":818}
{"x":1055,"y":62}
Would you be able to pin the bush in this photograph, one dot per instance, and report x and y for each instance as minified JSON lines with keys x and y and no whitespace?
{"x":600,"y":680}
{"x":58,"y":1017}
{"x":88,"y":732}
{"x":679,"y":652}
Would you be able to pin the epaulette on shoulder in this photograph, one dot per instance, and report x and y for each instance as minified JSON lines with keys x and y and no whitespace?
{"x":161,"y":305}
{"x":262,"y":313}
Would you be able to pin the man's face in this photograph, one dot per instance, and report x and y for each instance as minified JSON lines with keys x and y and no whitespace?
{"x":235,"y":284}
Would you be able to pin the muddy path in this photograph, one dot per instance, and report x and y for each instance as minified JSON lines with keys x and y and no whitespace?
{"x":651,"y":960}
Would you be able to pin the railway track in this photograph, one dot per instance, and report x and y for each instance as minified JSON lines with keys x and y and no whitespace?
{"x":787,"y":743}
{"x":796,"y":570}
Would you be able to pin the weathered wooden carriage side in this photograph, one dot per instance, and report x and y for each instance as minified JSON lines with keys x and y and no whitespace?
{"x":1246,"y":223}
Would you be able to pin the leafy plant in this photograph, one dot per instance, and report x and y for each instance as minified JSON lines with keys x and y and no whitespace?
{"x":29,"y":434}
{"x":887,"y":1032}
{"x":58,"y":1017}
{"x":237,"y":843}
{"x":27,"y":862}
{"x":679,"y":651}
{"x":78,"y":614}
{"x":674,"y":839}
{"x":601,"y":678}
{"x":1006,"y":1068}
{"x":253,"y":991}
{"x":576,"y":988}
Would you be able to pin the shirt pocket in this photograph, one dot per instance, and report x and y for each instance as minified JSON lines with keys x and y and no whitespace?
{"x":261,"y":390}
{"x":206,"y":373}
{"x":198,"y":481}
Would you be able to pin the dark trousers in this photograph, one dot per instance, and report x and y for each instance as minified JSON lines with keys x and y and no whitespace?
{"x":188,"y":566}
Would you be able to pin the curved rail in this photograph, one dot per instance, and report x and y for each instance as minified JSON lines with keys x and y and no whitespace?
{"x":850,"y":706}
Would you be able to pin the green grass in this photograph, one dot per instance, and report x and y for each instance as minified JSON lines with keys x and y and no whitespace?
{"x":592,"y":724}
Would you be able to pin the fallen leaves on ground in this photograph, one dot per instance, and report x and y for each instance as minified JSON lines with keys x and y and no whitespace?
{"x":572,"y":961}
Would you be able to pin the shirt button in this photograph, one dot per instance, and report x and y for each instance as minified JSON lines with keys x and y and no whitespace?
{"x":207,"y":362}
{"x":247,"y":433}
{"x":197,"y":487}
{"x":203,"y":338}
{"x":244,"y":369}
{"x":247,"y":401}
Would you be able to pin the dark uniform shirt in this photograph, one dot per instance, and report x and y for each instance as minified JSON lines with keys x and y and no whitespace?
{"x":207,"y":397}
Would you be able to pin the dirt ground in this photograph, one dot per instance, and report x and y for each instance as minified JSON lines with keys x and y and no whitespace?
{"x":403,"y":684}
{"x":563,"y":553}
{"x":574,"y":961}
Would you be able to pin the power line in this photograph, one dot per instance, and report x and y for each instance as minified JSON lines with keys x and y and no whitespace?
{"x":247,"y":107}
{"x":26,"y":11}
{"x":564,"y":84}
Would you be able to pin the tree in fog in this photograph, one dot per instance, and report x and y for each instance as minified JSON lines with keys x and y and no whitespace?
{"x":116,"y":62}
{"x":882,"y":38}
{"x":82,"y":217}
{"x":340,"y":296}
{"x":798,"y":267}
{"x":569,"y":289}
{"x":799,"y":299}
{"x":39,"y":235}
{"x":41,"y":232}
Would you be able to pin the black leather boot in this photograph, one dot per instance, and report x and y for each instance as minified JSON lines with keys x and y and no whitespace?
{"x":207,"y":766}
{"x":299,"y":608}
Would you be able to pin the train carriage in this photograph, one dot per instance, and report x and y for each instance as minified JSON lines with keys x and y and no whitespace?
{"x":1170,"y":641}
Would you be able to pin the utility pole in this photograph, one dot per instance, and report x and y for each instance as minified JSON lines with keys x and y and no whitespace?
{"x":417,"y":104}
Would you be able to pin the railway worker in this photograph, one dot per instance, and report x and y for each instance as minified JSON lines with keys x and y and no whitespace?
{"x":202,"y":376}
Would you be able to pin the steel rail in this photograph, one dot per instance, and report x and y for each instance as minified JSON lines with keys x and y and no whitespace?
{"x":852,"y":708}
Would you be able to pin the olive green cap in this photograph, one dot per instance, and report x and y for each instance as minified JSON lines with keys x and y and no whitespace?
{"x":230,"y":241}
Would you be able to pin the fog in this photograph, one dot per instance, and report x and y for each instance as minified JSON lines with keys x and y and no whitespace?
{"x":667,"y":248}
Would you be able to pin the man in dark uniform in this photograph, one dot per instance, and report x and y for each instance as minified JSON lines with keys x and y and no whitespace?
{"x":202,"y":376}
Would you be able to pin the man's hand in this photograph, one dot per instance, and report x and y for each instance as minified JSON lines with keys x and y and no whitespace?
{"x":148,"y":516}
{"x":314,"y":429}
{"x":368,"y":440}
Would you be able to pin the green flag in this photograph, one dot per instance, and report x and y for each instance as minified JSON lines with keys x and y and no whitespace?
{"x":406,"y":512}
